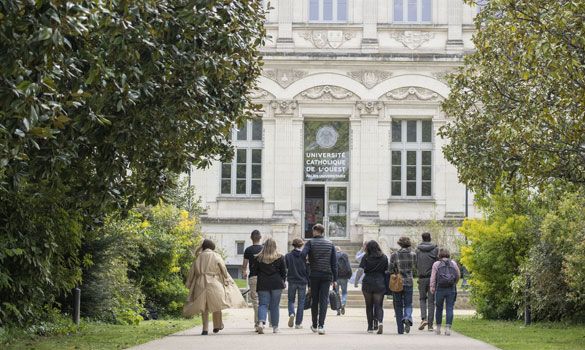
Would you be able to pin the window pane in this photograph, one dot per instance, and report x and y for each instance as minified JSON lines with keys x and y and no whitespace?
{"x":411,"y":188}
{"x":256,"y":156}
{"x":241,"y":156}
{"x":396,"y":188}
{"x":257,"y":130}
{"x":396,"y":157}
{"x":397,"y":131}
{"x":411,"y":158}
{"x":342,"y":10}
{"x":426,"y":173}
{"x":426,"y":10}
{"x":256,"y":187}
{"x":327,"y":10}
{"x":241,"y":187}
{"x":226,"y":170}
{"x":427,"y":131}
{"x":411,"y":173}
{"x":412,"y":10}
{"x":426,"y":189}
{"x":411,"y":131}
{"x":337,"y":194}
{"x":426,"y":158}
{"x":226,"y":186}
{"x":241,"y":171}
{"x":398,"y":10}
{"x":256,"y":171}
{"x":243,"y":132}
{"x":314,"y":10}
{"x":396,"y":173}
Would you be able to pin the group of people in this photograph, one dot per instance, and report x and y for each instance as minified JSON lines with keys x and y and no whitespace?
{"x":315,"y":266}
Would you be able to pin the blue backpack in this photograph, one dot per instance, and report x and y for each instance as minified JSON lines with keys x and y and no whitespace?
{"x":446,"y":275}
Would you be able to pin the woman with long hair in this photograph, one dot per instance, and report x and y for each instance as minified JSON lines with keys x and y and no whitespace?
{"x":374,"y":265}
{"x":211,"y":288}
{"x":271,"y":270}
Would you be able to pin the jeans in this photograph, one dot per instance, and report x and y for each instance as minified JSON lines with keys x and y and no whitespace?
{"x":342,"y":283}
{"x":320,"y":294}
{"x":269,"y":300}
{"x":252,"y":283}
{"x":293,"y":291}
{"x":448,"y":296}
{"x":425,"y":295}
{"x":403,"y":307}
{"x":374,"y":308}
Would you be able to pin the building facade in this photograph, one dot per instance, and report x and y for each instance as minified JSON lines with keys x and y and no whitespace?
{"x":347,"y":136}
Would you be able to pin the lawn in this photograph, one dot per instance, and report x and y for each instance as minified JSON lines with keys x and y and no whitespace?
{"x":241,"y":283}
{"x":100,"y":336}
{"x":515,"y":336}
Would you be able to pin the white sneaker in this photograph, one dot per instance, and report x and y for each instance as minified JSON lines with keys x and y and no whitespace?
{"x":438,"y":329}
{"x":298,"y":326}
{"x":321,"y":331}
{"x":260,"y":328}
{"x":275,"y":330}
{"x":448,"y":329}
{"x":314,"y":329}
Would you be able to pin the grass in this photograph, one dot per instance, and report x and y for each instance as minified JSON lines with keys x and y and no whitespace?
{"x":100,"y":336}
{"x":241,"y":283}
{"x":513,"y":335}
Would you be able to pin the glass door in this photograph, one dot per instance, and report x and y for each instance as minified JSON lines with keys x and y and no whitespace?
{"x":336,"y":212}
{"x":314,"y":207}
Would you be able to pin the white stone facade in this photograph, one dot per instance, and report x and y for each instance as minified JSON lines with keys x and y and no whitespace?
{"x":367,"y":71}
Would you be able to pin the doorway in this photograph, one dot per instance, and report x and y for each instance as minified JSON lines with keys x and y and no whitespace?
{"x":326,"y":204}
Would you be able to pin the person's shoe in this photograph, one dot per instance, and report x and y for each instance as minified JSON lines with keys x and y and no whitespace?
{"x":275,"y":330}
{"x":343,"y":310}
{"x":321,"y":331}
{"x":291,"y":321}
{"x":216,"y":330}
{"x":380,"y":329}
{"x":438,"y":330}
{"x":298,"y":326}
{"x":423,"y":324}
{"x":260,"y":328}
{"x":431,"y":328}
{"x":375,"y":325}
{"x":448,"y":329}
{"x":314,"y":329}
{"x":204,"y":332}
{"x":406,"y":326}
{"x":370,"y":330}
{"x":339,"y":312}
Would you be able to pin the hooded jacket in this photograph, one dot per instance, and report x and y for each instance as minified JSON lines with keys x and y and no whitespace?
{"x":426,"y":255}
{"x":297,"y":268}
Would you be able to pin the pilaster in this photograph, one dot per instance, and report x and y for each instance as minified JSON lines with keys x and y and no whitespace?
{"x":283,"y":111}
{"x":455,"y":27}
{"x":285,"y":42}
{"x":370,"y":26}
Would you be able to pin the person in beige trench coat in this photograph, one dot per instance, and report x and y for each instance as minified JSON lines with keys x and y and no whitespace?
{"x":211,"y":288}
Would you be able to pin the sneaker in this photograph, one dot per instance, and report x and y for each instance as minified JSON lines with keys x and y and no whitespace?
{"x":204,"y":332}
{"x":380,"y":329}
{"x":314,"y":329}
{"x":370,"y":330}
{"x":438,"y":330}
{"x":431,"y":328}
{"x":275,"y":330}
{"x":423,"y":324}
{"x":406,"y":326}
{"x":343,"y":310}
{"x":298,"y":326}
{"x":448,"y":329}
{"x":375,"y":325}
{"x":291,"y":321}
{"x":339,"y":312}
{"x":321,"y":331}
{"x":260,"y":328}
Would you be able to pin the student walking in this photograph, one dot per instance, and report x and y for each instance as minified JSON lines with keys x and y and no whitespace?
{"x":211,"y":288}
{"x":297,"y":277}
{"x":404,"y":262}
{"x":444,"y":277}
{"x":426,"y":256}
{"x":374,"y":265}
{"x":323,"y":265}
{"x":271,"y":270}
{"x":249,"y":263}
{"x":344,"y":273}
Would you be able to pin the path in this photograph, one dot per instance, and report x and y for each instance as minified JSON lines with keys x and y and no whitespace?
{"x":343,"y":333}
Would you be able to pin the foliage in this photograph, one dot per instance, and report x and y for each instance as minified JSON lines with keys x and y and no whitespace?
{"x":101,"y":102}
{"x":518,"y":103}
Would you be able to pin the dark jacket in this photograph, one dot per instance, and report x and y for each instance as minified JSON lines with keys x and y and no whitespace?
{"x":322,"y":258}
{"x":297,"y":270}
{"x":271,"y":276}
{"x":426,"y":255}
{"x":375,"y":268}
{"x":343,"y":260}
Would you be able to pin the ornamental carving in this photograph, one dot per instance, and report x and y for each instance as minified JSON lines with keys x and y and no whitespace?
{"x":369,"y":107}
{"x":413,"y":94}
{"x":328,"y":39}
{"x":370,"y":78}
{"x":412,"y":39}
{"x":284,"y":106}
{"x":327,"y":92}
{"x":284,"y":77}
{"x":260,"y":94}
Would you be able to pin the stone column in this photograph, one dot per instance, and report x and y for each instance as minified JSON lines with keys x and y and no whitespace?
{"x":369,"y":112}
{"x":455,"y":28}
{"x":285,"y":42}
{"x":370,"y":26}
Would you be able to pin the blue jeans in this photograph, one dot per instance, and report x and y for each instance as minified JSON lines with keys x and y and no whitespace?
{"x":293,"y":291}
{"x":269,"y":299}
{"x":342,"y":283}
{"x":447,"y":296}
{"x":403,"y":307}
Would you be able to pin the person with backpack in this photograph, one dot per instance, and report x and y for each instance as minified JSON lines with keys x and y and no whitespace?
{"x":374,"y":265}
{"x":444,"y":278}
{"x":403,"y":263}
{"x":344,"y":273}
{"x":271,"y":269}
{"x":426,"y":255}
{"x":297,"y":276}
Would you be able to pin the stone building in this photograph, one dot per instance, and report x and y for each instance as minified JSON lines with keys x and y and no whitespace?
{"x":351,"y":93}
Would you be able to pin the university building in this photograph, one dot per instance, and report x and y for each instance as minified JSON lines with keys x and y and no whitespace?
{"x":347,"y":137}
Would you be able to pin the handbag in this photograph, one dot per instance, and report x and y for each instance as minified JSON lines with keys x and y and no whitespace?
{"x":396,"y":283}
{"x":334,"y":300}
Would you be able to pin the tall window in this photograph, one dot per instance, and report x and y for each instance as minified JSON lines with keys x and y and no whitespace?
{"x":243,"y":175}
{"x":328,"y":10}
{"x":413,"y":11}
{"x":412,"y":158}
{"x":240,"y":247}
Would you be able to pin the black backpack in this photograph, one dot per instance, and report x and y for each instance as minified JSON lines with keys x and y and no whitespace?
{"x":446,"y":275}
{"x":343,"y":267}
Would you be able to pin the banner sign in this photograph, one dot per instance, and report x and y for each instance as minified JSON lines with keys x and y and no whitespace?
{"x":326,"y":151}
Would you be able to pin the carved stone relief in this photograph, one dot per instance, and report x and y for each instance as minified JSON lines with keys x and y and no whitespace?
{"x":369,"y":107}
{"x":284,"y":77}
{"x":328,"y":39}
{"x":284,"y":106}
{"x":413,"y":94}
{"x":260,"y":94}
{"x":412,"y":39}
{"x":327,"y":92}
{"x":370,"y":78}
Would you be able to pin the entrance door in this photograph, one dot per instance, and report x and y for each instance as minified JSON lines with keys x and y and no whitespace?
{"x":327,"y":205}
{"x":314,"y":207}
{"x":336,"y":211}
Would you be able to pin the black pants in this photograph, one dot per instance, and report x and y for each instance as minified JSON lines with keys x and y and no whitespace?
{"x":374,"y":308}
{"x":320,"y":294}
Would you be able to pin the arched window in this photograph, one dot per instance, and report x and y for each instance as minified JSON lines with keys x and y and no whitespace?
{"x":413,"y":11}
{"x":328,"y":10}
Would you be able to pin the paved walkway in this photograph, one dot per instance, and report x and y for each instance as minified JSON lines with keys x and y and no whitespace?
{"x":343,"y":333}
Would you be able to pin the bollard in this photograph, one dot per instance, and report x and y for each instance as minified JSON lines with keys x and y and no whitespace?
{"x":76,"y":305}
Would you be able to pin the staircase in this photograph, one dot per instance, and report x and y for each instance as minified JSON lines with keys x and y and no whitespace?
{"x":350,"y":248}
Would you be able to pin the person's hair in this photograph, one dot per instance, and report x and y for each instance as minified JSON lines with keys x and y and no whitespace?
{"x":297,"y":243}
{"x":426,"y":237}
{"x":337,"y":248}
{"x":319,"y":228}
{"x":269,"y":252}
{"x":255,"y":236}
{"x":373,"y":249}
{"x":404,"y":242}
{"x":444,"y":253}
{"x":206,"y":244}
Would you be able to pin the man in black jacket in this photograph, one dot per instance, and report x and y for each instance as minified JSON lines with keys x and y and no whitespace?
{"x":323,"y":266}
{"x":426,"y":255}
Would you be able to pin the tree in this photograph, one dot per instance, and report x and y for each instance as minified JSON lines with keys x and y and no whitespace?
{"x":518,"y":103}
{"x":100,"y":103}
